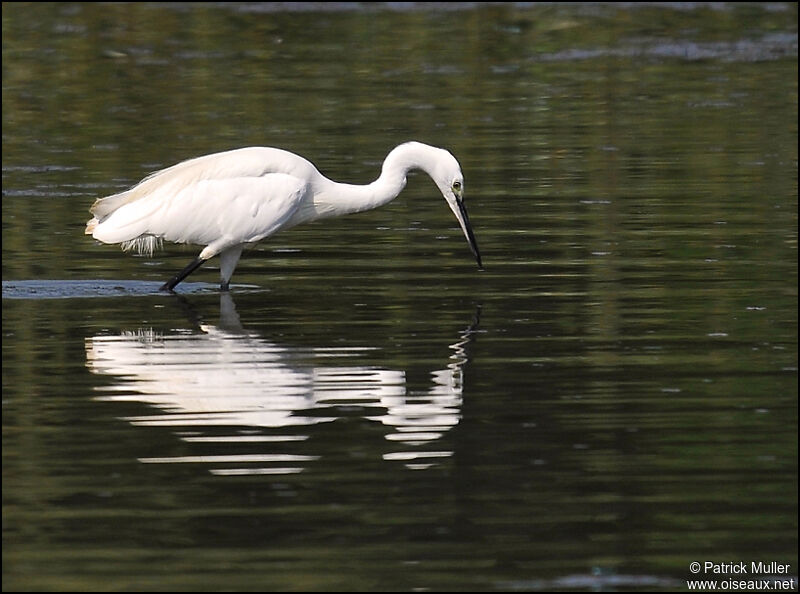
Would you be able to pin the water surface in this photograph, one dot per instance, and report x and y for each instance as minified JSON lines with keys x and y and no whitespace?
{"x":612,"y":398}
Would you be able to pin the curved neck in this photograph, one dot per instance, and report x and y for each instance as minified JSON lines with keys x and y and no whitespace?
{"x":349,"y":198}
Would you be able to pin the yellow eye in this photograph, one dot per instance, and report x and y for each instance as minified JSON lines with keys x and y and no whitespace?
{"x":457,"y":186}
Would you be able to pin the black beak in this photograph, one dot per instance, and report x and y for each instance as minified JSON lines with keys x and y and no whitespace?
{"x":467,"y":228}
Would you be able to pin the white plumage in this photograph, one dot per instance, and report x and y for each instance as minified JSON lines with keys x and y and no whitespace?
{"x":229,"y":200}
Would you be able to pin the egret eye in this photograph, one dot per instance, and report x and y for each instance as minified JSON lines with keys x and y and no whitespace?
{"x":457,"y":186}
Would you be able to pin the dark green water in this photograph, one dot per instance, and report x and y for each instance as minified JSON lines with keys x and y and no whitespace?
{"x":613,"y":398}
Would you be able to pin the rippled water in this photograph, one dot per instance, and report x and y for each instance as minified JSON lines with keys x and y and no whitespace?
{"x":611,"y":399}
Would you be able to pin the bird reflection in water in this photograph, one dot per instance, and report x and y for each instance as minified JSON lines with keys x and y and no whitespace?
{"x":228,"y":386}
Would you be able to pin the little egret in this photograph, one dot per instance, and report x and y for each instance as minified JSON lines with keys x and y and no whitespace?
{"x":233,"y":199}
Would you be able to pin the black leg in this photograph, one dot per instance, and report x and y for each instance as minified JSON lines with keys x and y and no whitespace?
{"x":193,"y":265}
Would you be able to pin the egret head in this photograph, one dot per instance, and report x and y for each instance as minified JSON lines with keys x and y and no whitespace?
{"x":448,"y":177}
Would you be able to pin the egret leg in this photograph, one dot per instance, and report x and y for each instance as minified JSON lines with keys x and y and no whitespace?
{"x":227,"y":264}
{"x":193,"y":265}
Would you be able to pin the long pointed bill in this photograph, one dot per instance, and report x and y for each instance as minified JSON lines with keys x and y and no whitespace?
{"x":460,"y":210}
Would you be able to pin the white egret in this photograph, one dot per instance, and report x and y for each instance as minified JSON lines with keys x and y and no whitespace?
{"x":229,"y":200}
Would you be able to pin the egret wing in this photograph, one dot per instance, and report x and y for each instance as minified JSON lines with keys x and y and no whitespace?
{"x":240,"y":163}
{"x":220,"y":212}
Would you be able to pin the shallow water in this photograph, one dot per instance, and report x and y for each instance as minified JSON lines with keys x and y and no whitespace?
{"x":611,"y":399}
